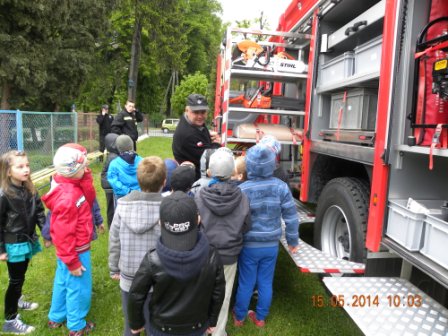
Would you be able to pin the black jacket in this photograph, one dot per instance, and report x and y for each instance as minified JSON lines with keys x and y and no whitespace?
{"x":112,"y":153}
{"x":126,"y":123}
{"x":105,"y":122}
{"x":188,"y":290}
{"x":19,"y":215}
{"x":189,"y":142}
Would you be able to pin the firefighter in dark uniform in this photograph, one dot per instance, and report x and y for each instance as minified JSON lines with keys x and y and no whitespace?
{"x":126,"y":121}
{"x":191,"y":136}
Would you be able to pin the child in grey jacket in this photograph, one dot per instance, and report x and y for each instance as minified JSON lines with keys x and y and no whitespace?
{"x":225,"y":217}
{"x":135,"y":228}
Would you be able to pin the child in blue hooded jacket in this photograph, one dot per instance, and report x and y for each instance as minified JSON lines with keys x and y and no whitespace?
{"x":270,"y":200}
{"x":122,"y":172}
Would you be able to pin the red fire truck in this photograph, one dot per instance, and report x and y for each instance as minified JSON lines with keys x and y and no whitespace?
{"x":360,"y":105}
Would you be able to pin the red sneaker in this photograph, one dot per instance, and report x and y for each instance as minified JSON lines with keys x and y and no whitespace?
{"x":54,"y":325}
{"x":237,"y":323}
{"x":84,"y":331}
{"x":253,"y":317}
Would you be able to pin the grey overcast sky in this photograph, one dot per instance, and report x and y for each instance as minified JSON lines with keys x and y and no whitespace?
{"x":250,"y":9}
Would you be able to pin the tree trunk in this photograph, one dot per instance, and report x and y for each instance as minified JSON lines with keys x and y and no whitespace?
{"x":164,"y":107}
{"x":135,"y":60}
{"x":6,"y":93}
{"x":4,"y":119}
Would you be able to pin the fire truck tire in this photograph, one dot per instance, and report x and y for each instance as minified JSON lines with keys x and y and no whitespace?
{"x":341,"y":218}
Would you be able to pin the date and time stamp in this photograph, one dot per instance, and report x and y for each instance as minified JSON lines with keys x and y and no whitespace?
{"x":367,"y":301}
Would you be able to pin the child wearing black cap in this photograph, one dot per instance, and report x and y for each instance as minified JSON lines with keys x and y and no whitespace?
{"x":184,"y":272}
{"x":183,"y":177}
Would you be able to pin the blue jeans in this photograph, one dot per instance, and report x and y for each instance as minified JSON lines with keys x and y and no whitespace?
{"x":72,"y":294}
{"x":256,"y":266}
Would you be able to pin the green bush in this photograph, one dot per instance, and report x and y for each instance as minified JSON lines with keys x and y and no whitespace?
{"x":64,"y":134}
{"x":91,"y":145}
{"x":38,"y":162}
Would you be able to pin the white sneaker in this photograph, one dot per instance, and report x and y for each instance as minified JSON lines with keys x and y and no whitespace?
{"x":25,"y":305}
{"x":17,"y":327}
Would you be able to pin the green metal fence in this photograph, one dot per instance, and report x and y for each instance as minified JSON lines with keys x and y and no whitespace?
{"x":41,"y":133}
{"x":38,"y":133}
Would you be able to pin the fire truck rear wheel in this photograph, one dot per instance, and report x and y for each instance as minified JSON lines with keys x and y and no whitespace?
{"x":341,"y":218}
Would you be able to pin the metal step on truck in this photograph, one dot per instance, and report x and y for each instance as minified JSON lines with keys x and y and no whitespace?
{"x":357,"y":93}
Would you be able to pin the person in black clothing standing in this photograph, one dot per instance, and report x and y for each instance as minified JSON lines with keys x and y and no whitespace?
{"x":126,"y":121}
{"x":112,"y":153}
{"x":184,"y":272}
{"x":104,"y":120}
{"x":192,"y":137}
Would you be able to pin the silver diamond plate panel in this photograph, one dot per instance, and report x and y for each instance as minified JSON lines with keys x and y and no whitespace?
{"x":304,"y":214}
{"x":312,"y":260}
{"x":396,"y":313}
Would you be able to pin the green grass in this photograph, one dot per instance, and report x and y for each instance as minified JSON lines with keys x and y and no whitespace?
{"x":292,"y":312}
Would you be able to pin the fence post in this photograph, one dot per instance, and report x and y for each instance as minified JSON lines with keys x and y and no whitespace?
{"x":19,"y":126}
{"x":52,"y":133}
{"x":90,"y":133}
{"x":75,"y":115}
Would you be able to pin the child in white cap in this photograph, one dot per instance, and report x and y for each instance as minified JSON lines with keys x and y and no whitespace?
{"x":70,"y":200}
{"x":225,"y":217}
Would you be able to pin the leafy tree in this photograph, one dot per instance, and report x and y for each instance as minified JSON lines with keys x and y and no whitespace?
{"x":203,"y":29}
{"x":25,"y":48}
{"x":57,"y":52}
{"x":48,"y":49}
{"x":196,"y":83}
{"x":107,"y":80}
{"x":74,"y":55}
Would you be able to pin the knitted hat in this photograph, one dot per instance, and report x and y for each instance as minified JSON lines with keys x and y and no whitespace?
{"x":170,"y":165}
{"x":271,"y":141}
{"x":70,"y":159}
{"x":182,"y":178}
{"x":260,"y":161}
{"x":222,"y":164}
{"x":179,"y":220}
{"x":110,"y":142}
{"x":124,"y":143}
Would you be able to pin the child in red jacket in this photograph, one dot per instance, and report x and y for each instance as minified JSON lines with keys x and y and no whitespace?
{"x":70,"y":200}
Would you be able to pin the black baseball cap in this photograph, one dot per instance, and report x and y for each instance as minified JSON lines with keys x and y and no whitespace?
{"x":179,"y":220}
{"x":182,"y":178}
{"x":197,"y":102}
